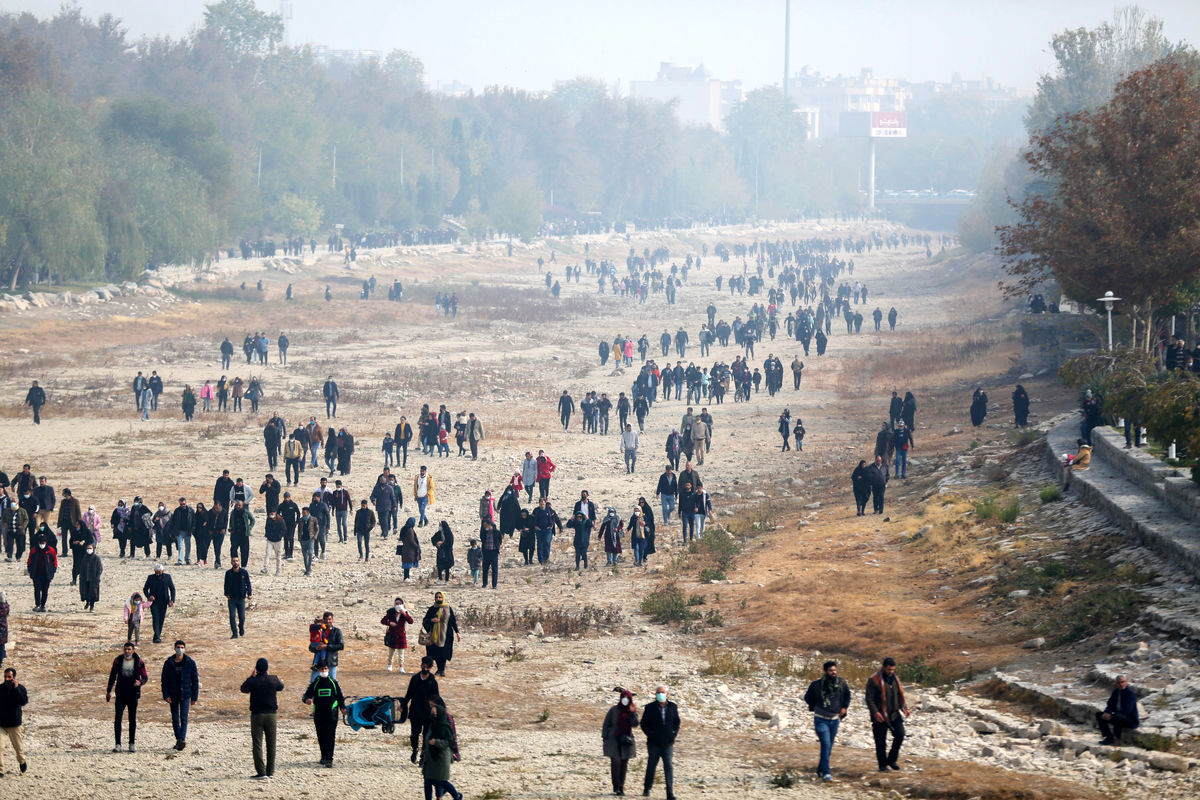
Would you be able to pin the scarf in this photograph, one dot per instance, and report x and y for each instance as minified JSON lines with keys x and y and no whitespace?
{"x":625,"y":716}
{"x":441,"y":622}
{"x":830,"y":689}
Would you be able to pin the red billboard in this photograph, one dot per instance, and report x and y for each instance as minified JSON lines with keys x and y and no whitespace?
{"x":889,"y":124}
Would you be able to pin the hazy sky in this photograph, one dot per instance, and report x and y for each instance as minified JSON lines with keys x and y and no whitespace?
{"x":533,"y":43}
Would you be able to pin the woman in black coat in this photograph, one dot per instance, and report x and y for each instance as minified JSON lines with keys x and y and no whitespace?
{"x":202,"y":533}
{"x":1020,"y":399}
{"x":527,"y":542}
{"x":978,"y":407}
{"x":648,"y":521}
{"x":442,"y":628}
{"x":443,"y":543}
{"x":510,"y":511}
{"x":862,"y":487}
{"x":908,"y":411}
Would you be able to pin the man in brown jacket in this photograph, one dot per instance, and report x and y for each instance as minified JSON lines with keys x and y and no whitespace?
{"x":885,"y":702}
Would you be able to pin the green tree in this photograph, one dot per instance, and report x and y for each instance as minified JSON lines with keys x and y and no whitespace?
{"x":767,"y":137}
{"x":517,"y":210}
{"x":242,"y":28}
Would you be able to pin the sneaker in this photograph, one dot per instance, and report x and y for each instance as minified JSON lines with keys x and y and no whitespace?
{"x":132,"y":749}
{"x":1108,"y":741}
{"x":826,"y":777}
{"x":389,"y":667}
{"x":117,"y":749}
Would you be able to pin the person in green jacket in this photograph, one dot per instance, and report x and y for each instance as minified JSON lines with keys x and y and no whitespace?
{"x":325,"y":696}
{"x":439,"y":748}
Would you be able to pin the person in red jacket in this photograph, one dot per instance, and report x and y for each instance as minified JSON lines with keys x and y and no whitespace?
{"x":41,"y":566}
{"x":396,"y":637}
{"x":545,"y":467}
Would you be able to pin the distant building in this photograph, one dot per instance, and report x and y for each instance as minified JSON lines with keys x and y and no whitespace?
{"x":700,"y":98}
{"x":822,"y":100}
{"x":327,"y":55}
{"x":994,"y":96}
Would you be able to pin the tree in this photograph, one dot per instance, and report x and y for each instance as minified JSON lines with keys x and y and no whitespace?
{"x":292,"y":214}
{"x":517,"y":210}
{"x":242,"y":27}
{"x":1122,"y":197}
{"x":767,"y":137}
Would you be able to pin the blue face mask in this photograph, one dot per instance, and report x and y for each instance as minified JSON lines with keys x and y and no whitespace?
{"x":661,"y":697}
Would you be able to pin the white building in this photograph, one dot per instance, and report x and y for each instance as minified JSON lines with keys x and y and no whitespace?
{"x":700,"y":98}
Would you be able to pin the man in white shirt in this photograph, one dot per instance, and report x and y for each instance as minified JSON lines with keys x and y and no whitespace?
{"x":629,"y":444}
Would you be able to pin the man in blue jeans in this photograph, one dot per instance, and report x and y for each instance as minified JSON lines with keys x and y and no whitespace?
{"x":828,"y":698}
{"x":903,"y":441}
{"x":181,"y":689}
{"x":237,"y":592}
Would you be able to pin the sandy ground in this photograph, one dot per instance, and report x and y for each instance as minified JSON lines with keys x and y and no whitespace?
{"x":508,"y":354}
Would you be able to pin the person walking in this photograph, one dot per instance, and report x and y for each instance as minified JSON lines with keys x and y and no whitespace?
{"x":442,"y":628}
{"x":35,"y":398}
{"x":409,"y":547}
{"x":325,"y":696}
{"x":1120,"y":712}
{"x":443,"y":543}
{"x":13,"y":699}
{"x":126,"y":679}
{"x":307,"y":532}
{"x":877,"y":479}
{"x":474,"y":434}
{"x":364,"y":522}
{"x":617,"y":736}
{"x":421,"y":687}
{"x":135,"y":609}
{"x":660,"y":723}
{"x":181,"y":689}
{"x":159,"y":591}
{"x":828,"y":698}
{"x":331,"y":645}
{"x":41,"y":566}
{"x":396,"y":619}
{"x":861,"y":487}
{"x":264,"y":689}
{"x":1020,"y":401}
{"x":885,"y":702}
{"x":330,"y":392}
{"x":237,"y":593}
{"x":90,"y":569}
{"x":545,"y":469}
{"x":629,"y":445}
{"x":423,"y":491}
{"x":582,"y":539}
{"x":439,"y":750}
{"x":4,"y":611}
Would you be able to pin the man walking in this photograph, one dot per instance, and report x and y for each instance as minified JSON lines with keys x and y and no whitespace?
{"x":181,"y":689}
{"x":334,"y":643}
{"x":264,"y":690}
{"x":237,"y":592}
{"x":423,"y":491}
{"x":474,"y":434}
{"x":159,"y":591}
{"x":273,"y":535}
{"x":325,"y":696}
{"x":660,"y":723}
{"x":35,"y":398}
{"x":885,"y":702}
{"x":877,"y":478}
{"x":629,"y":446}
{"x":13,"y":698}
{"x":828,"y":698}
{"x":330,"y":392}
{"x":667,"y":489}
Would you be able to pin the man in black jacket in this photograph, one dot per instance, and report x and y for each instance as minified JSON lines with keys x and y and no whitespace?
{"x":330,"y":393}
{"x":237,"y":592}
{"x":325,"y":696}
{"x":1120,"y":713}
{"x":828,"y":698}
{"x":290,"y":512}
{"x":180,"y":527}
{"x":421,"y":687}
{"x":271,"y":441}
{"x":334,"y":644}
{"x":877,"y":478}
{"x":263,"y":689}
{"x":668,"y":487}
{"x":226,"y":353}
{"x":159,"y":591}
{"x":181,"y":689}
{"x":35,"y":398}
{"x":222,"y":488}
{"x":12,"y":698}
{"x":660,"y":723}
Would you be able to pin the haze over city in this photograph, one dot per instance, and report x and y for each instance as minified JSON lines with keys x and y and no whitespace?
{"x":532,"y":44}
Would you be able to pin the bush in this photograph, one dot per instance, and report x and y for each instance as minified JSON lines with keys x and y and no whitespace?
{"x":727,"y":662}
{"x":715,"y":619}
{"x":711,"y":574}
{"x":987,"y":508}
{"x":1050,"y":493}
{"x":667,"y":604}
{"x":921,"y":671}
{"x":785,"y":779}
{"x":1010,"y":512}
{"x":696,"y":600}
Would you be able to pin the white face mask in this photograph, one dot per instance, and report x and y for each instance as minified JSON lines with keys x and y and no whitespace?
{"x":324,"y":673}
{"x":41,"y":545}
{"x":90,"y":551}
{"x":178,"y":651}
{"x":624,"y":701}
{"x":399,"y":606}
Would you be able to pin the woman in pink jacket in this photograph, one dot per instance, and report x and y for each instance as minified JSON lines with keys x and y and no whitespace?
{"x":628,"y":352}
{"x":207,"y":394}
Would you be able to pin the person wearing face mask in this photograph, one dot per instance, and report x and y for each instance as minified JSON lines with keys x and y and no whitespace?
{"x":12,"y":698}
{"x":396,"y":639}
{"x":617,"y":734}
{"x":90,"y":569}
{"x":127,"y":676}
{"x":421,"y":687}
{"x":41,"y":566}
{"x":325,"y":696}
{"x":180,"y":689}
{"x":660,"y":723}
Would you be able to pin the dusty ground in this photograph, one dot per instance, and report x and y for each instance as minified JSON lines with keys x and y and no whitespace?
{"x":528,"y":710}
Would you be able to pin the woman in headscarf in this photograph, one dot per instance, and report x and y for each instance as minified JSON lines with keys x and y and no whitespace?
{"x":409,"y":548}
{"x":785,"y":429}
{"x":510,"y":509}
{"x":648,"y":521}
{"x":443,"y":541}
{"x":442,"y":627}
{"x":637,"y":535}
{"x":119,"y":521}
{"x":527,"y":543}
{"x":862,"y":488}
{"x":202,"y":533}
{"x":610,"y":532}
{"x":979,"y":402}
{"x":617,"y":734}
{"x":674,"y":446}
{"x":908,"y":411}
{"x":89,"y":577}
{"x":487,"y":507}
{"x":91,"y":521}
{"x":1020,"y":400}
{"x":439,"y":749}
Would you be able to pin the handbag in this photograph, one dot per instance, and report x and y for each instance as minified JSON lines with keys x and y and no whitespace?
{"x":627,"y":740}
{"x":424,"y":639}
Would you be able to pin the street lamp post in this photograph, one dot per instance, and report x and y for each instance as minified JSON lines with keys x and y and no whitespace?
{"x":1108,"y":301}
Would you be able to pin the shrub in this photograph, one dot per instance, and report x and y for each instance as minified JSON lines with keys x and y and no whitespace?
{"x":714,"y":618}
{"x":711,"y":574}
{"x":987,"y":508}
{"x":696,"y":600}
{"x":923,"y":672}
{"x":1050,"y":493}
{"x":784,"y":779}
{"x":727,"y":662}
{"x":667,"y":604}
{"x":1010,"y":512}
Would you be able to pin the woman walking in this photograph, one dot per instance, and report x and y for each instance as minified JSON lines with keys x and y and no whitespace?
{"x":202,"y":533}
{"x":979,"y":402}
{"x":396,"y":639}
{"x":527,"y":543}
{"x":216,"y":528}
{"x":1020,"y":400}
{"x":409,"y":548}
{"x":89,"y":577}
{"x":442,"y":628}
{"x":439,"y":749}
{"x":785,"y":429}
{"x":619,"y":743}
{"x":611,"y":529}
{"x":189,"y":403}
{"x":862,"y":488}
{"x":509,"y":508}
{"x":443,"y":542}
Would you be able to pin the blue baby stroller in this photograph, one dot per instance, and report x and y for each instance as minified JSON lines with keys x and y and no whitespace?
{"x":371,"y":712}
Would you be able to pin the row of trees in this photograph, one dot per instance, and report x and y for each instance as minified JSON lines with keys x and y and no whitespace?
{"x":115,"y":153}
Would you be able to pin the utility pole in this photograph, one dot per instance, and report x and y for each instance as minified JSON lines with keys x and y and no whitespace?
{"x":787,"y":43}
{"x":258,"y":183}
{"x":401,"y":167}
{"x":335,"y":144}
{"x":871,"y":173}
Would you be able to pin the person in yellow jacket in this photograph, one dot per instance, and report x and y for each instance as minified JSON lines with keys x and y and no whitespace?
{"x":423,"y":491}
